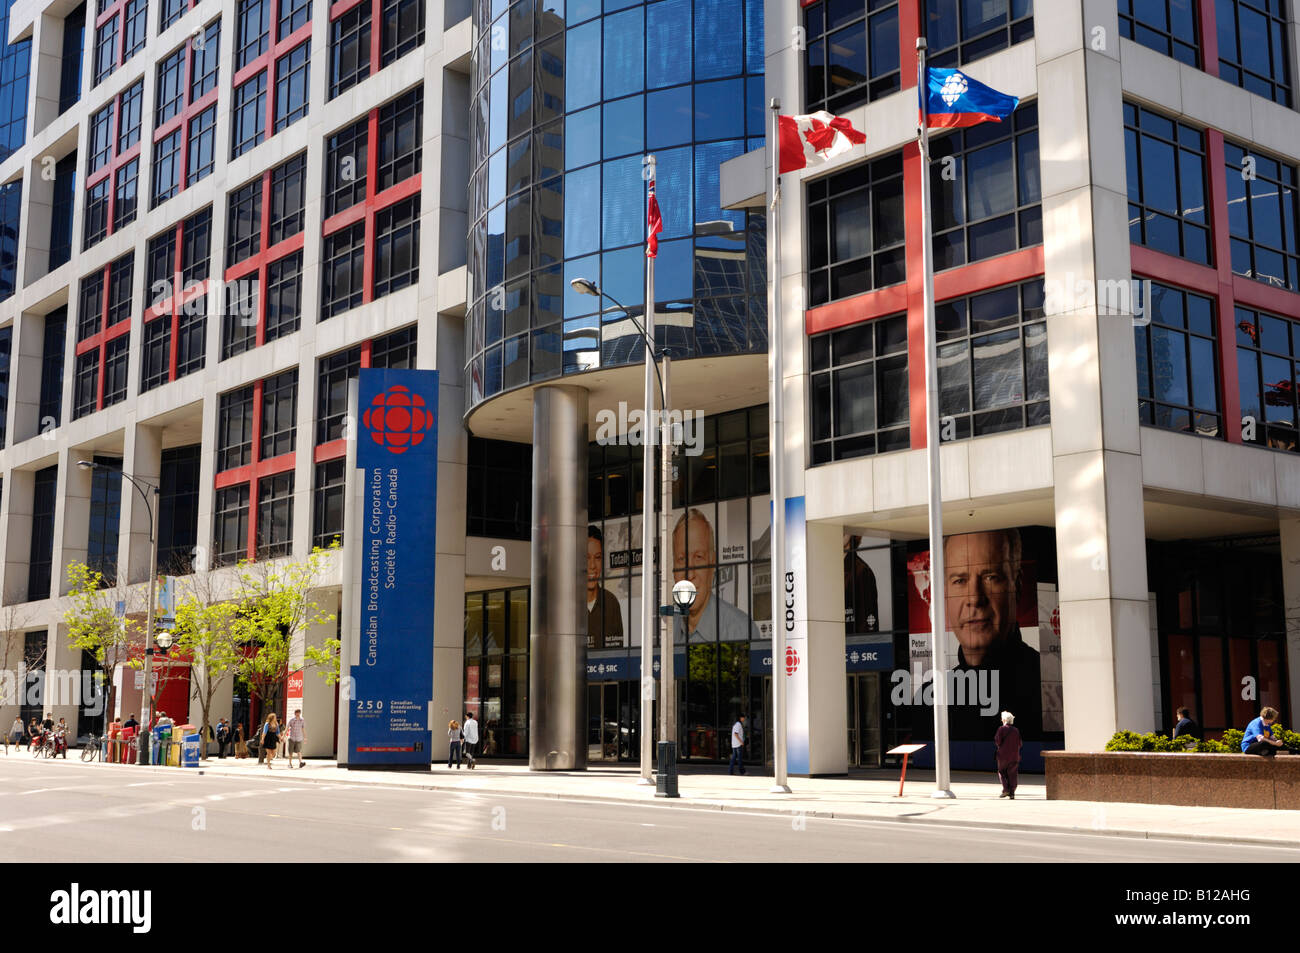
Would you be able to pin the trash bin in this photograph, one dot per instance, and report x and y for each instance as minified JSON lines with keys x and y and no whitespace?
{"x":190,"y":755}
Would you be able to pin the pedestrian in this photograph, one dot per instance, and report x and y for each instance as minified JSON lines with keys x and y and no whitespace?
{"x":1258,"y":738}
{"x":223,"y":737}
{"x":470,"y":733}
{"x":33,"y":733}
{"x":130,"y":722}
{"x":1008,"y":744}
{"x":1186,"y":726}
{"x":61,"y":739}
{"x":453,"y":743}
{"x":270,"y":738}
{"x":15,"y":736}
{"x":737,"y":746}
{"x":297,"y":736}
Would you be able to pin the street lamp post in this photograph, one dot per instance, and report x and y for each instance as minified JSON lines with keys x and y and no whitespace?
{"x":153,"y":583}
{"x":588,"y":287}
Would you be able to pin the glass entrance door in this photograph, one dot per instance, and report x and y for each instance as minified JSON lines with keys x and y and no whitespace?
{"x":863,"y":708}
{"x":603,"y":729}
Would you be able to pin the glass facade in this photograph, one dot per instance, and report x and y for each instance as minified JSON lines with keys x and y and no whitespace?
{"x":565,"y":107}
{"x":496,"y":669}
{"x":1268,"y":349}
{"x":1166,"y":184}
{"x":15,"y":62}
{"x":1177,"y":366}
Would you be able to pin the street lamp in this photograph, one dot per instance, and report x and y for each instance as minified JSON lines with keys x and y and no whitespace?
{"x":667,"y":691}
{"x":684,"y":596}
{"x":153,"y":583}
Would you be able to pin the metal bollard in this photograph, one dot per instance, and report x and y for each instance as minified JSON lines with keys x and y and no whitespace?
{"x":666,"y":777}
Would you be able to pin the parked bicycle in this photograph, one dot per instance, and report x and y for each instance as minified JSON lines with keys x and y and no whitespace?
{"x":43,"y":746}
{"x":93,"y":749}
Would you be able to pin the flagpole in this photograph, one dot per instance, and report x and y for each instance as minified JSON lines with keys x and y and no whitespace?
{"x":648,"y":613}
{"x":776,"y":429}
{"x":938,"y":587}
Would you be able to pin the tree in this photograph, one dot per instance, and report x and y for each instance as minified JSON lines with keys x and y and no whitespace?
{"x":276,"y":605}
{"x":207,"y":633}
{"x":14,"y":661}
{"x":95,"y":626}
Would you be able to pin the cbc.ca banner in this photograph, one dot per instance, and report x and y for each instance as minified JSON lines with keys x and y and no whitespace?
{"x":794,"y":617}
{"x":397,"y":464}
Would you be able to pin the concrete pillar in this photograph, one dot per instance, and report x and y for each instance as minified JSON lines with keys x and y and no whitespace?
{"x":448,"y":336}
{"x":317,"y":694}
{"x":558,"y":638}
{"x":1289,"y":531}
{"x":1100,"y":530}
{"x":142,"y":458}
{"x":72,"y":518}
{"x":823,"y":720}
{"x":25,"y":365}
{"x":16,"y":528}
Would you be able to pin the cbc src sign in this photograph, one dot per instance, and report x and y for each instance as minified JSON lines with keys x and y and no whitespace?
{"x":397,"y":464}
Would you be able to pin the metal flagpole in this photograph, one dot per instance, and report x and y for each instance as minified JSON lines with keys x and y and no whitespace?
{"x":776,"y":454}
{"x":648,"y":613}
{"x":938,"y":615}
{"x":667,"y":669}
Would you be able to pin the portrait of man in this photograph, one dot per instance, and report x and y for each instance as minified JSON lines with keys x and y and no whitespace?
{"x":981,"y":596}
{"x":695,"y":558}
{"x":604,"y":615}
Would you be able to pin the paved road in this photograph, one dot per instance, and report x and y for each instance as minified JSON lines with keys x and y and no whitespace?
{"x":58,"y":812}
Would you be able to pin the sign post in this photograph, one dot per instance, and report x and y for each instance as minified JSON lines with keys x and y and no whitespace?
{"x":392,"y":669}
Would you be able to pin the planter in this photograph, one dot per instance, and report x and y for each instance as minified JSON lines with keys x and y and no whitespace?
{"x":1195,"y":780}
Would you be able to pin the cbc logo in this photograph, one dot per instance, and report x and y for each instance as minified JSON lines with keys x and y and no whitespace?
{"x":397,"y":419}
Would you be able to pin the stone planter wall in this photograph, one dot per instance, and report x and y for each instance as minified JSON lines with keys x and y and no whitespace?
{"x":1197,"y":780}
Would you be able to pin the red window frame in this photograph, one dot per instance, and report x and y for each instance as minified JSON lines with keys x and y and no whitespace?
{"x":337,"y":449}
{"x":368,"y":208}
{"x":173,"y":305}
{"x":260,"y":262}
{"x":280,"y":46}
{"x":252,"y":473}
{"x":106,"y":333}
{"x":188,"y":111}
{"x":376,"y":22}
{"x":117,"y":161}
{"x":111,"y":12}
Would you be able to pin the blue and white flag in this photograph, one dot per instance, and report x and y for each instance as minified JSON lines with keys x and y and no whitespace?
{"x":953,"y":99}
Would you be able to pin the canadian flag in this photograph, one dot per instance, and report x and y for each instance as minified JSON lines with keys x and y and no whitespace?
{"x":807,"y":140}
{"x":654,"y":224}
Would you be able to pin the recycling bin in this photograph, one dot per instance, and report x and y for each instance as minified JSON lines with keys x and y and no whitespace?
{"x":190,"y":752}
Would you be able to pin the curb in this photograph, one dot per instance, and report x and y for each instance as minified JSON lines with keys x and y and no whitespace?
{"x":720,"y":805}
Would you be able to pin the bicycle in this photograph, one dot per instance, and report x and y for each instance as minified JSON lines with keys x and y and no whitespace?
{"x":44,"y":746}
{"x":93,"y":749}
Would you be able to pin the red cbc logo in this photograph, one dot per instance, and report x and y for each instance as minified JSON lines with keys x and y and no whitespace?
{"x":397,"y":419}
{"x":791,"y":661}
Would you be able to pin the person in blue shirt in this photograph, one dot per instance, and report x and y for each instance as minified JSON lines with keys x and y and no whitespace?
{"x":1258,"y":738}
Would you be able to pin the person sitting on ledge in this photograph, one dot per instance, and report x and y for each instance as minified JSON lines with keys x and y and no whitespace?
{"x":1258,"y":738}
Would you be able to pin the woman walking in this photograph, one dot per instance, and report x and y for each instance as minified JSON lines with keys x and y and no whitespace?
{"x":1007,"y":740}
{"x":453,"y":743}
{"x":270,"y":738}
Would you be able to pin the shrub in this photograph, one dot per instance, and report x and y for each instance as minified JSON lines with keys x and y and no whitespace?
{"x":1230,"y":744}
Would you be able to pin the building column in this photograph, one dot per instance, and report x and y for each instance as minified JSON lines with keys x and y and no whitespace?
{"x":449,"y":564}
{"x":816,"y":718}
{"x":1100,"y":528}
{"x":71,"y":518}
{"x":318,"y":695}
{"x":142,"y":458}
{"x":557,"y":670}
{"x":16,"y":528}
{"x":1289,"y":532}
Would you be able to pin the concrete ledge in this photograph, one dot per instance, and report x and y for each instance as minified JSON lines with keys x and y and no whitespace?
{"x":1194,"y":780}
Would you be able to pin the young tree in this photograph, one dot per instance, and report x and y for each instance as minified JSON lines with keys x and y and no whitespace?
{"x":206,"y":633}
{"x":95,"y":626}
{"x":276,"y":605}
{"x":15,"y":662}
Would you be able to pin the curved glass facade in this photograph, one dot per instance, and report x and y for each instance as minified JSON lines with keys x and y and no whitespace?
{"x":568,"y":99}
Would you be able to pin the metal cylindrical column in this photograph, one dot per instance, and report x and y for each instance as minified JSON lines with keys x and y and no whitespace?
{"x":557,"y":671}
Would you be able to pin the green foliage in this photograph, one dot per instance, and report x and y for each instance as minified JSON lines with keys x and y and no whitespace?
{"x":1229,"y":744}
{"x":1232,"y":738}
{"x":92,"y":620}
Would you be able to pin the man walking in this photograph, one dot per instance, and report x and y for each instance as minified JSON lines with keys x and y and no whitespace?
{"x":223,"y":737}
{"x":737,"y":746}
{"x":297,"y":736}
{"x":470,"y":732}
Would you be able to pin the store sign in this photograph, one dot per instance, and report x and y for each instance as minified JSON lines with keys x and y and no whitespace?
{"x":397,"y":464}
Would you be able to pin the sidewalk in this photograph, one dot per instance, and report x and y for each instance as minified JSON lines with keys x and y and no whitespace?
{"x":861,"y":796}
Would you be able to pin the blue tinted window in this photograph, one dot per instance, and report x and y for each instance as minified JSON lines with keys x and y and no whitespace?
{"x":580,"y":10}
{"x":717,"y":110}
{"x":499,"y":117}
{"x":624,"y":53}
{"x":673,"y":270}
{"x":15,"y":61}
{"x":753,"y":36}
{"x":496,"y":246}
{"x":624,"y":272}
{"x":623,"y":203}
{"x":624,"y":125}
{"x":708,"y":198}
{"x":673,"y":191}
{"x":719,"y":35}
{"x":668,"y":117}
{"x":582,"y":57}
{"x":582,"y":211}
{"x":581,"y":138}
{"x":755,"y":107}
{"x":578,"y":304}
{"x":668,"y":48}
